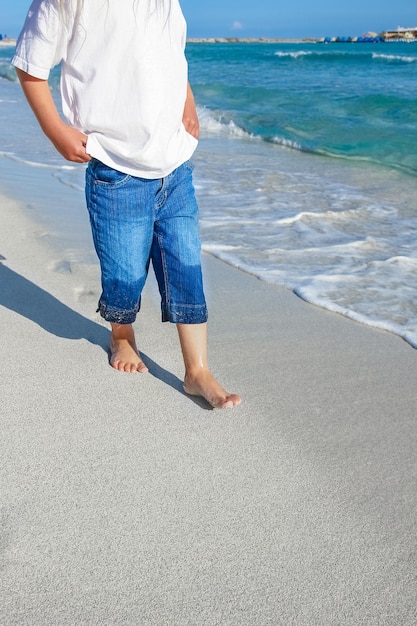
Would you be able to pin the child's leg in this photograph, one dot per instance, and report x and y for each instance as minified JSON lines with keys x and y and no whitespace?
{"x":121,"y":211}
{"x":176,"y":260}
{"x":198,"y":380}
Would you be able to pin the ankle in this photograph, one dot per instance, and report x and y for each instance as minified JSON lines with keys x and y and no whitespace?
{"x":196,"y":373}
{"x":121,"y":331}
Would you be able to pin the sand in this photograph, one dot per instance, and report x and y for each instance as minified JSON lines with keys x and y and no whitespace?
{"x":124,"y":501}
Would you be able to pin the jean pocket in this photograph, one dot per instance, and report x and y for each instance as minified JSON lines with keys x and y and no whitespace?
{"x":189,"y":165}
{"x":104,"y":175}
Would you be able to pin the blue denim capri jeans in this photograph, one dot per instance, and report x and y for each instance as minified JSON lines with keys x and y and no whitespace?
{"x":137,"y":220}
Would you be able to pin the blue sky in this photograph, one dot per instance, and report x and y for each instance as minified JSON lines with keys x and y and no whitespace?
{"x":268,"y":18}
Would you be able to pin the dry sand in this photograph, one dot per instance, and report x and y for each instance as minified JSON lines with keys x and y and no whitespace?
{"x":126,"y":502}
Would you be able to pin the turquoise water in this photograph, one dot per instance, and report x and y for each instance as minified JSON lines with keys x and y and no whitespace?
{"x":346,"y":100}
{"x":305,"y":173}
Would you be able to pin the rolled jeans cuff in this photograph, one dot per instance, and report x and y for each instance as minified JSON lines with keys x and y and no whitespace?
{"x":183,"y":314}
{"x":116,"y":316}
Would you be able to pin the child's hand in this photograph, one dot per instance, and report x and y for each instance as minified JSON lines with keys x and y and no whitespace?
{"x":70,"y":143}
{"x":190,"y":117}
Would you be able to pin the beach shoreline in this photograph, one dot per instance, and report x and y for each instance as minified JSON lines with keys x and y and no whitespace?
{"x":126,"y":501}
{"x":118,"y":487}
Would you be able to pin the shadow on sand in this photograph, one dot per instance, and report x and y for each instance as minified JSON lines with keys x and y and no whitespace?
{"x":27,"y":299}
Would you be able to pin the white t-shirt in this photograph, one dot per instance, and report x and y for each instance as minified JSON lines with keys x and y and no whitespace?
{"x":123,"y":77}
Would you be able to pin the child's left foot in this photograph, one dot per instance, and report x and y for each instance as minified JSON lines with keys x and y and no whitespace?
{"x":204,"y":384}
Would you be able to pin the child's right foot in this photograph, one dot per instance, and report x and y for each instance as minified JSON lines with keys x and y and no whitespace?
{"x":124,"y":355}
{"x":204,"y":384}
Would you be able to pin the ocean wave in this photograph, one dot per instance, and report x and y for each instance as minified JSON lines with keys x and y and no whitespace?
{"x":335,"y":154}
{"x":215,"y":122}
{"x":334,"y":55}
{"x":345,"y":56}
{"x":72,"y":177}
{"x":347,"y":247}
{"x":360,"y":158}
{"x":394,"y":58}
{"x":389,"y":303}
{"x":287,"y":143}
{"x":7,"y":71}
{"x":218,"y":123}
{"x":296,"y":54}
{"x":388,"y":298}
{"x":43,"y":165}
{"x":337,"y":218}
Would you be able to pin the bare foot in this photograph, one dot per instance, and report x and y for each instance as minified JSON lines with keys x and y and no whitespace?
{"x":124,"y":355}
{"x":204,"y":384}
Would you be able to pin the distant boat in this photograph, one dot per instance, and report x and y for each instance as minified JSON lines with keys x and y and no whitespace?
{"x":362,"y":39}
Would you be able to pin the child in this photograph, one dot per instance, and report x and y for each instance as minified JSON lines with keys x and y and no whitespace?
{"x":131,"y":116}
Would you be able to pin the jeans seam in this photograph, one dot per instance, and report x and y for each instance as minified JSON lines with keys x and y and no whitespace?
{"x":164,"y":270}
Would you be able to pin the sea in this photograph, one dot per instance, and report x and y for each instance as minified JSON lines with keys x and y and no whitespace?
{"x":305,"y":172}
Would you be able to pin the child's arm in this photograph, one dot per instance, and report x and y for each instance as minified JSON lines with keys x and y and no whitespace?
{"x":190,"y":117}
{"x":68,"y":141}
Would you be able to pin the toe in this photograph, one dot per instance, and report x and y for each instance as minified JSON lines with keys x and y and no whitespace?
{"x":228,"y":403}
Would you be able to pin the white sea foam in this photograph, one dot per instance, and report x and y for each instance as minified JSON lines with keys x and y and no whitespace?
{"x":394,"y":57}
{"x":390,"y":301}
{"x":215,"y":123}
{"x":340,"y":238}
{"x":281,"y":141}
{"x":294,"y":54}
{"x":347,"y":53}
{"x":7,"y":71}
{"x":49,"y":166}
